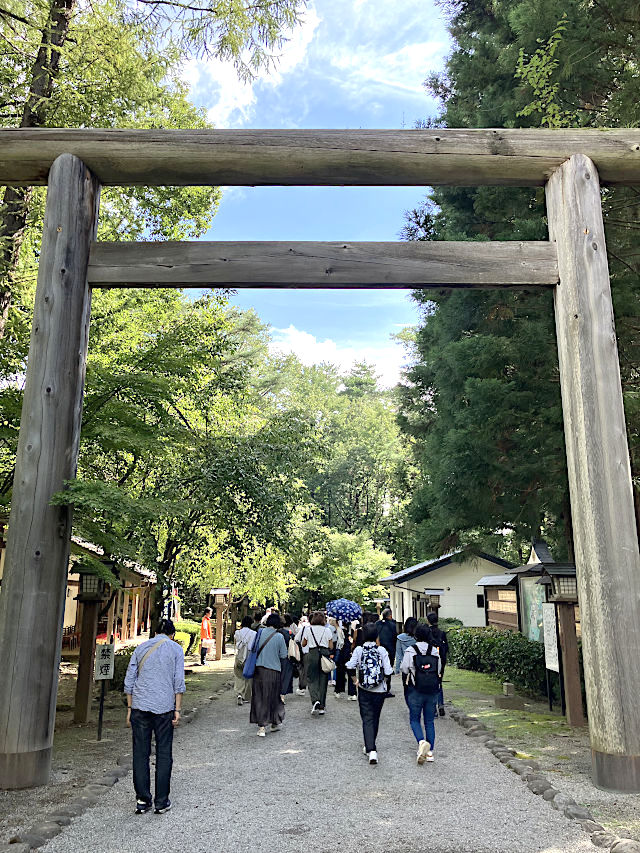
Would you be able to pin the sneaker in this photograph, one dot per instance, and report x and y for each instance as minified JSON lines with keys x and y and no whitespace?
{"x":163,"y":809}
{"x":352,"y":698}
{"x":142,"y":807}
{"x":390,"y":695}
{"x":430,"y":756}
{"x":321,"y":711}
{"x":240,"y":700}
{"x":315,"y":708}
{"x":423,"y":749}
{"x":276,"y":728}
{"x":339,"y":695}
{"x":364,"y":750}
{"x":282,"y":700}
{"x":441,"y":710}
{"x":373,"y":757}
{"x":300,"y":692}
{"x":261,"y":731}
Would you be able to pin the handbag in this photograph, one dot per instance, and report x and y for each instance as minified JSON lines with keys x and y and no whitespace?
{"x":327,"y":664}
{"x":294,"y":650}
{"x":250,"y":663}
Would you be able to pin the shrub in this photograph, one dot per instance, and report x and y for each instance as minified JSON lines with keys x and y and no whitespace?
{"x":192,"y":631}
{"x":508,"y":655}
{"x":448,"y":623}
{"x":120,"y":664}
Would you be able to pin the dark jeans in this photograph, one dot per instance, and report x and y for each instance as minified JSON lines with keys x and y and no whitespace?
{"x":370,"y":708}
{"x":342,"y":657}
{"x":143,"y":723}
{"x":203,"y":654}
{"x":422,"y":706}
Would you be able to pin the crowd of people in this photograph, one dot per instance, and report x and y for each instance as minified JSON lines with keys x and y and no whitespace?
{"x":356,"y":658}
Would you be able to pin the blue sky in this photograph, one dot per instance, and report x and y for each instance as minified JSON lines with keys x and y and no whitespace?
{"x":352,"y":64}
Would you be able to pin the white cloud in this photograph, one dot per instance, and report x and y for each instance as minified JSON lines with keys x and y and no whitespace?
{"x":388,"y":359}
{"x":232,"y":101}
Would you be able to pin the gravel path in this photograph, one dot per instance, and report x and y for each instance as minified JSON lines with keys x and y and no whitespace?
{"x":310,"y":787}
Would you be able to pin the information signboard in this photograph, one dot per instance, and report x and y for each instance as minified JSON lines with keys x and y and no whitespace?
{"x":551,"y":658}
{"x":105,"y":654}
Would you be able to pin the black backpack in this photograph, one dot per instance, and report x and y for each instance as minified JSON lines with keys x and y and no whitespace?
{"x":426,"y":678}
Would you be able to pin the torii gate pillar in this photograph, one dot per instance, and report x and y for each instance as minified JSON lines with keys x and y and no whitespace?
{"x":35,"y":574}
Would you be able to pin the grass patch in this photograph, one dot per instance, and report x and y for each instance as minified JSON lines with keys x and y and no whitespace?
{"x":475,"y":682}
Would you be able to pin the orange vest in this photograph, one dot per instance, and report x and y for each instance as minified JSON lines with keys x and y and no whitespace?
{"x":205,"y":629}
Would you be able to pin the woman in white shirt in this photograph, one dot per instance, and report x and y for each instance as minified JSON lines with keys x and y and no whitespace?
{"x":423,"y":690}
{"x":316,"y":641}
{"x":243,"y":639}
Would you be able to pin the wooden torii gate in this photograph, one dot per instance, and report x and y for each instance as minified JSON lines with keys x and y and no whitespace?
{"x":569,"y":163}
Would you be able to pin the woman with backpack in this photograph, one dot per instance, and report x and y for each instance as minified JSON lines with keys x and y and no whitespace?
{"x":372,"y":666}
{"x":316,"y":641}
{"x":422,"y":666}
{"x":243,"y":640}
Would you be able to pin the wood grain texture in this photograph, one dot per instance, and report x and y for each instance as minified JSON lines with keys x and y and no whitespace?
{"x":309,"y":265}
{"x":516,"y":157}
{"x":605,"y":540}
{"x":35,"y":571}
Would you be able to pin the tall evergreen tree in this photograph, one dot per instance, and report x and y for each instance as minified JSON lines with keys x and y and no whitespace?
{"x":483,"y":397}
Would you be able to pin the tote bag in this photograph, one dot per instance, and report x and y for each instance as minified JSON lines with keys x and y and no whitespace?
{"x":250,"y":663}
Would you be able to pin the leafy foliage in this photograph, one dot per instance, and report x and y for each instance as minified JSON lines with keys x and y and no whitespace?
{"x":482,"y":400}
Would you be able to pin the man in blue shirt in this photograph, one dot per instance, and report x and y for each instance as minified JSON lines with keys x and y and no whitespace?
{"x":154,"y":685}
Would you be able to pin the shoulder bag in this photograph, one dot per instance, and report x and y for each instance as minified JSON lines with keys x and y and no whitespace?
{"x":250,"y":663}
{"x":327,"y":664}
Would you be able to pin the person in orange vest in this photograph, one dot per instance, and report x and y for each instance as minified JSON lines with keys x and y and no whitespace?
{"x":205,"y":634}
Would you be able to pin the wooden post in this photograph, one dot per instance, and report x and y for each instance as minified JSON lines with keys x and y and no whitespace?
{"x":570,"y":663}
{"x":35,"y":572}
{"x":136,"y":605}
{"x":605,"y":540}
{"x":84,"y":682}
{"x":219,"y":629}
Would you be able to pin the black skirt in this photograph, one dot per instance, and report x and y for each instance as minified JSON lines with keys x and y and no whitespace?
{"x":266,"y":704}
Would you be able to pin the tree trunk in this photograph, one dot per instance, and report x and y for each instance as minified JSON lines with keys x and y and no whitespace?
{"x":15,"y":202}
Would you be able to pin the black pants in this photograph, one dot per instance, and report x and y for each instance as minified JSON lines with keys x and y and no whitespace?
{"x":342,"y":656}
{"x":143,"y":723}
{"x":370,"y":708}
{"x":203,"y":654}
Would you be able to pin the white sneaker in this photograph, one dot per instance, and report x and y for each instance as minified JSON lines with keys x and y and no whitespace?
{"x":339,"y":695}
{"x":261,"y":731}
{"x":315,"y":708}
{"x":321,"y":711}
{"x":352,"y":698}
{"x":430,"y":756}
{"x":364,"y":750}
{"x":240,"y":700}
{"x":373,"y":757}
{"x":423,"y":749}
{"x":300,"y":692}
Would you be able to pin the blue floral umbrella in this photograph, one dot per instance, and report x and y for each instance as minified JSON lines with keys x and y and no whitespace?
{"x":344,"y":609}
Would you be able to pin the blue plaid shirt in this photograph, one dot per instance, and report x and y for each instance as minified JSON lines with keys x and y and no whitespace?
{"x":154,"y":688}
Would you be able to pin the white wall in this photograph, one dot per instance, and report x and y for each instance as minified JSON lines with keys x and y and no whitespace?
{"x":459,"y":599}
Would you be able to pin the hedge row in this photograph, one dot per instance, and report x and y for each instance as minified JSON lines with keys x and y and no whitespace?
{"x":506,"y":654}
{"x":192,"y":630}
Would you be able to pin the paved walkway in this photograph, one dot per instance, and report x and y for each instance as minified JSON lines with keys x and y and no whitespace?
{"x":309,"y":788}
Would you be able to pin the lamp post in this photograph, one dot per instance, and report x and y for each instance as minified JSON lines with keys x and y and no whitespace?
{"x":91,"y":596}
{"x":564,"y":594}
{"x":220,"y":600}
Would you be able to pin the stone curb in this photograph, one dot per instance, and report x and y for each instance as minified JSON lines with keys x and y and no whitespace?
{"x":529,"y":772}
